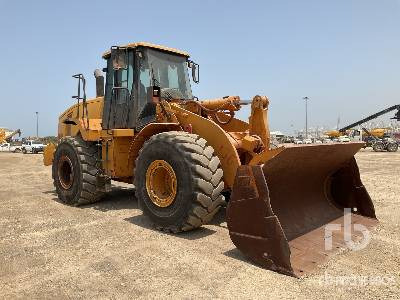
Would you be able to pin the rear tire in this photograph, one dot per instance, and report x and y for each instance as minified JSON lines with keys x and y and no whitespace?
{"x":76,"y":169}
{"x":24,"y":151}
{"x":392,"y":147}
{"x":199,"y":181}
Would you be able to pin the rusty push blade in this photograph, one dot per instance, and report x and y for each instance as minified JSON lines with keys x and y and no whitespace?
{"x":278,"y":212}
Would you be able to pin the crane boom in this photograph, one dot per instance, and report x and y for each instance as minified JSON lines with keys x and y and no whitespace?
{"x":374,"y":116}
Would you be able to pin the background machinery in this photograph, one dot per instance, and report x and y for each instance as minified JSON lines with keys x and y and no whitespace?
{"x":374,"y":116}
{"x":378,"y":139}
{"x":182,"y":154}
{"x":385,"y":143}
{"x":7,"y":136}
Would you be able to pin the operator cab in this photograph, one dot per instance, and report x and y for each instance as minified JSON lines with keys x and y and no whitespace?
{"x":137,"y":77}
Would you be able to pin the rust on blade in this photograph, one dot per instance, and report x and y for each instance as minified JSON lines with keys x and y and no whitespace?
{"x":262,"y":240}
{"x":278,"y":213}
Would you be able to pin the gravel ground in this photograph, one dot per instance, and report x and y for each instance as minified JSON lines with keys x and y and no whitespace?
{"x":109,"y":250}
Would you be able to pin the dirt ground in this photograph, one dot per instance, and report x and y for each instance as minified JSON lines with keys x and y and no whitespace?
{"x":109,"y":250}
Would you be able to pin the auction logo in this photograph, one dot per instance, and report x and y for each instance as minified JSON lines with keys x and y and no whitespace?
{"x":330,"y":228}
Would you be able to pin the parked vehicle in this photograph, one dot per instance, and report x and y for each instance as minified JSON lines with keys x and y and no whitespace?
{"x":7,"y":147}
{"x":287,"y":140}
{"x":298,"y":142}
{"x":4,"y":147}
{"x":307,"y":141}
{"x":344,"y":139}
{"x":32,"y":147}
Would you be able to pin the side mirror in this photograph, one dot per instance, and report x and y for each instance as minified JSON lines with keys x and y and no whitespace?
{"x":195,"y":71}
{"x":119,"y":57}
{"x":99,"y":83}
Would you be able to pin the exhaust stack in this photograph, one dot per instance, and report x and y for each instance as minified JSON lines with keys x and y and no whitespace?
{"x":99,"y":83}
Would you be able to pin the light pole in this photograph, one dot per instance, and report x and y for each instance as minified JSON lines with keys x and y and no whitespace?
{"x":306,"y":100}
{"x":37,"y":124}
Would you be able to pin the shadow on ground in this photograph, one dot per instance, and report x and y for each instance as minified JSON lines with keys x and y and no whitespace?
{"x":52,"y":192}
{"x":124,"y":198}
{"x":202,"y":232}
{"x":144,"y":222}
{"x":118,"y":198}
{"x":236,"y":254}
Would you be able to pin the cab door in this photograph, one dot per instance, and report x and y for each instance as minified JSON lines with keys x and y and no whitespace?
{"x":119,"y":98}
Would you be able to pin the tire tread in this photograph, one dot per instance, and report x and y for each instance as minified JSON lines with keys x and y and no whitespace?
{"x":206,"y":173}
{"x":91,"y":189}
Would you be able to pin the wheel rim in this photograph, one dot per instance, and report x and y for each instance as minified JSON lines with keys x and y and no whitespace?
{"x":65,"y":172}
{"x":161,"y":183}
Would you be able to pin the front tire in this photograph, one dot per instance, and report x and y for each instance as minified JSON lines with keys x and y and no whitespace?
{"x":178,"y":181}
{"x":76,"y":171}
{"x":378,"y":147}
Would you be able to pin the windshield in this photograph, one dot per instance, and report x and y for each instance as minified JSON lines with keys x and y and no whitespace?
{"x":36,"y":143}
{"x":168,"y":71}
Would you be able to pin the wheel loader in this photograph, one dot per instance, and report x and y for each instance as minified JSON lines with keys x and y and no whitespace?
{"x":183,"y":155}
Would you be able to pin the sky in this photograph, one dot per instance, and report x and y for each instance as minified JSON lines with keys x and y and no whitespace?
{"x":343,"y":54}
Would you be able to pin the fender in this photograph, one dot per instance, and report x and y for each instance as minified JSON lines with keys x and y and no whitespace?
{"x":144,"y":134}
{"x":216,"y":137}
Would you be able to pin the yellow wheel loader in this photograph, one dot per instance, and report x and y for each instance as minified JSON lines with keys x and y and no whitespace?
{"x":183,"y":155}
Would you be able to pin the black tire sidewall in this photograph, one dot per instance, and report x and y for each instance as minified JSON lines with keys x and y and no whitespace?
{"x":392,"y":147}
{"x":177,"y":212}
{"x":71,"y":195}
{"x":378,"y":147}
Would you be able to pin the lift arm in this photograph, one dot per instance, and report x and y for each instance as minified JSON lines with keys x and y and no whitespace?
{"x":369,"y":133}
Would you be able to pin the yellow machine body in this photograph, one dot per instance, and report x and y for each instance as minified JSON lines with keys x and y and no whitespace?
{"x":120,"y":147}
{"x":281,"y":198}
